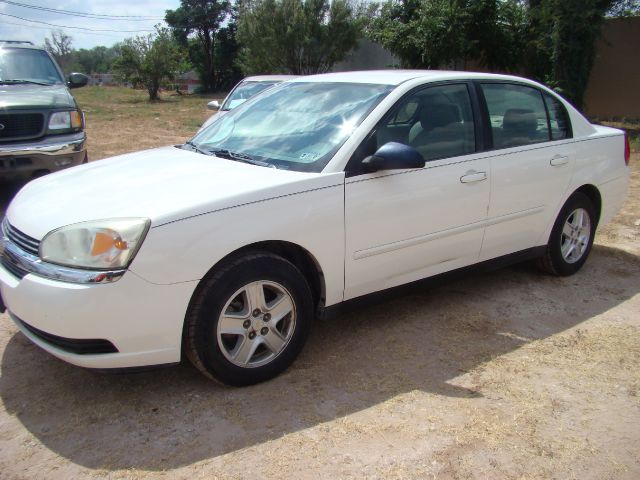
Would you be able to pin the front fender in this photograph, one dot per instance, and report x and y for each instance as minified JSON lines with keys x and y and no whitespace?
{"x":186,"y":250}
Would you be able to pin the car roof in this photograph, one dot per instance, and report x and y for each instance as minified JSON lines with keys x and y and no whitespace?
{"x":396,"y":77}
{"x":19,"y":44}
{"x":269,"y":78}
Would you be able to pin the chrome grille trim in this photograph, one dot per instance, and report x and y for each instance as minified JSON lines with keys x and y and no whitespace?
{"x":22,"y":240}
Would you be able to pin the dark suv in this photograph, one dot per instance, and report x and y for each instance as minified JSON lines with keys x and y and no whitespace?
{"x":41,"y":126}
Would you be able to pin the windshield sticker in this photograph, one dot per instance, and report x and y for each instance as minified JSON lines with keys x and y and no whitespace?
{"x":309,"y":156}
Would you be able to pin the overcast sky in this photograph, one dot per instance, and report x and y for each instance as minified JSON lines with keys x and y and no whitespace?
{"x":12,"y":28}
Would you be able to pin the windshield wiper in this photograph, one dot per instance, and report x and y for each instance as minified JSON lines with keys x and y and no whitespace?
{"x":13,"y":81}
{"x":196,"y":148}
{"x":240,"y":157}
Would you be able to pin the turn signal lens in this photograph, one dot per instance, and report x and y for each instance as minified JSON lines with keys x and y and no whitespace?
{"x":106,"y":240}
{"x":76,"y":119}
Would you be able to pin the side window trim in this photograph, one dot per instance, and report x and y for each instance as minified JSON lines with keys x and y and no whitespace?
{"x":351,"y":169}
{"x":483,"y":116}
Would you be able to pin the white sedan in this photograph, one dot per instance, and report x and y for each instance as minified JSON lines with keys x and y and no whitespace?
{"x":316,"y":192}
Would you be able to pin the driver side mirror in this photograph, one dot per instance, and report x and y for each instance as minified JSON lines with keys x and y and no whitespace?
{"x":77,"y":80}
{"x":213,"y":105}
{"x":393,"y":156}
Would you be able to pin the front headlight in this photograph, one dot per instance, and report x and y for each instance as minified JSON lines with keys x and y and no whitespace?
{"x":97,"y":245}
{"x":62,"y":121}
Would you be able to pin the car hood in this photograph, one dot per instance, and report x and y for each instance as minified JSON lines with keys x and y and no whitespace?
{"x":29,"y":96}
{"x":165,"y":185}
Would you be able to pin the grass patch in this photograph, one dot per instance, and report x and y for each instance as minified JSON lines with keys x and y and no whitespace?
{"x":121,"y":120}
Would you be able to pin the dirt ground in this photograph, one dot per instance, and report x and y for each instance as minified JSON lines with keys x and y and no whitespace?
{"x":509,"y":374}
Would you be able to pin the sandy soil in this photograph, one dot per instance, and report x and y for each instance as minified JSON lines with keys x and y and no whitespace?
{"x":510,"y":374}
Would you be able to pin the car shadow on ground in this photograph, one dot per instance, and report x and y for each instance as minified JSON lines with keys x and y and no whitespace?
{"x":421,"y":341}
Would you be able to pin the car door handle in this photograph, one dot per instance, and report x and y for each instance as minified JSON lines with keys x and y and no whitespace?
{"x":559,"y":160}
{"x":473,"y":176}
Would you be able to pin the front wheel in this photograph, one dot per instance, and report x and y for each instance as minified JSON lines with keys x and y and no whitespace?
{"x":571,"y":238}
{"x":249,"y":320}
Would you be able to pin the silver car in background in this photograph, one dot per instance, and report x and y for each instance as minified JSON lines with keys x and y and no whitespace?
{"x":243,"y":91}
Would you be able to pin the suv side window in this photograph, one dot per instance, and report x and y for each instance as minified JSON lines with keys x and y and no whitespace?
{"x":517,"y":114}
{"x":558,"y":118}
{"x":437,"y":121}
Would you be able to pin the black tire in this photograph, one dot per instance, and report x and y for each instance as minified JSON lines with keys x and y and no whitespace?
{"x":201,"y":340}
{"x":553,"y":261}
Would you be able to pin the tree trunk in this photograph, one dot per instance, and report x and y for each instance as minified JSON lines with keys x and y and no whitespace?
{"x":209,"y":67}
{"x":152,"y":88}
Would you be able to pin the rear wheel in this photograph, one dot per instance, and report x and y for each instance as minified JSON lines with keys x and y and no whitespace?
{"x":571,"y":238}
{"x":248,"y":322}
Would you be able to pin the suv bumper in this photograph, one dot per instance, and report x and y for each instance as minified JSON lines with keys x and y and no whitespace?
{"x":23,"y":160}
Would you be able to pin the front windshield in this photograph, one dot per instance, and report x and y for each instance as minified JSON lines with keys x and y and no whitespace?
{"x":27,"y":65}
{"x":296,"y":126}
{"x":244,"y":92}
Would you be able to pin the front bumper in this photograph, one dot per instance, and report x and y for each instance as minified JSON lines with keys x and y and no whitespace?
{"x":143,"y":321}
{"x":21,"y":160}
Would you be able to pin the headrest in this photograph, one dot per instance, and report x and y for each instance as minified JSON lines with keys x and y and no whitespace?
{"x":438,"y":115}
{"x":520,"y":120}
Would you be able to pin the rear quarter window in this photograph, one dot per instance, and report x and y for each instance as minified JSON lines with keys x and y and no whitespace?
{"x":558,"y":118}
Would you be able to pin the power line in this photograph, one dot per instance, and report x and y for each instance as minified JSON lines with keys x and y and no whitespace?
{"x":97,"y":16}
{"x":76,"y":28}
{"x":3,"y":22}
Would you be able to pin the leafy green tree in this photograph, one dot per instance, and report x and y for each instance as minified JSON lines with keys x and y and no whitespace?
{"x":195,"y":24}
{"x":550,"y":40}
{"x":296,"y":36}
{"x":226,"y":55}
{"x":95,"y":60}
{"x":625,"y":8}
{"x":446,"y":33}
{"x":149,"y":60}
{"x":562,"y":41}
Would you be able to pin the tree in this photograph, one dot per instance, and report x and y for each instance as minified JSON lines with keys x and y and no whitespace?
{"x":201,"y":18}
{"x":59,"y":45}
{"x":437,"y":33}
{"x":95,"y":60}
{"x":296,"y":36}
{"x":552,"y":41}
{"x":226,"y":54}
{"x":563,"y":36}
{"x":625,"y":8}
{"x":149,"y":60}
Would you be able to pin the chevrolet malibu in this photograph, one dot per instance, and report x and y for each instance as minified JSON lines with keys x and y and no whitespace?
{"x":316,"y":192}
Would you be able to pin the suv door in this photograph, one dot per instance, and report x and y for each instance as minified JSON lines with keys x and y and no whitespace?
{"x":404,"y":225}
{"x":531,"y":166}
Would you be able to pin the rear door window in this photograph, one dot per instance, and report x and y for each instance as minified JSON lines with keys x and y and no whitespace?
{"x":517,"y":114}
